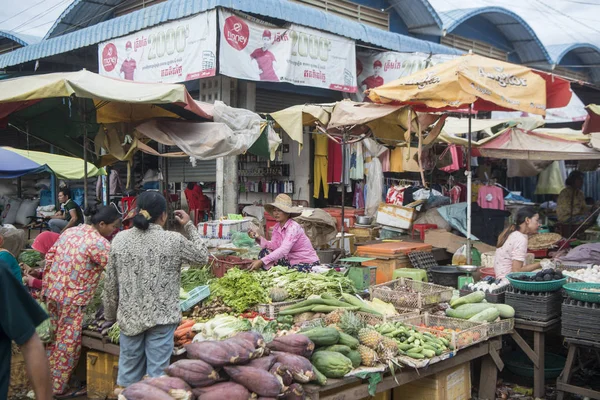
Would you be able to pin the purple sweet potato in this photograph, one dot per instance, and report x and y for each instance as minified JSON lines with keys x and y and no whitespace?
{"x":300,"y":367}
{"x":195,"y":373}
{"x":295,"y":344}
{"x":259,"y":381}
{"x":175,"y":387}
{"x":263,"y":363}
{"x":223,"y":391}
{"x":141,"y":391}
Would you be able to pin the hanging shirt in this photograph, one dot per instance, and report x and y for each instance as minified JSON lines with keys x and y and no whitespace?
{"x":334,"y":162}
{"x":385,"y":161}
{"x":357,"y":162}
{"x":396,"y":160}
{"x":490,"y":197}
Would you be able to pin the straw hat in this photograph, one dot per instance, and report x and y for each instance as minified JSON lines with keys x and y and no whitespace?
{"x":283,"y":202}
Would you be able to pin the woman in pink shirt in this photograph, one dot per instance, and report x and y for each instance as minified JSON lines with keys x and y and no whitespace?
{"x":289,"y":245}
{"x":512,"y":244}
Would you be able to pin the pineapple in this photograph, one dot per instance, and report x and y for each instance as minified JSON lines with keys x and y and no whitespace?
{"x":278,"y":294}
{"x":351,"y":324}
{"x":388,"y":348}
{"x":369,"y":337}
{"x":368,"y":357}
{"x":334,"y":317}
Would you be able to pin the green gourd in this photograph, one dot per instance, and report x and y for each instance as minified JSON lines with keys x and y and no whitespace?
{"x":332,"y":364}
{"x":323,"y":336}
{"x":348,"y":340}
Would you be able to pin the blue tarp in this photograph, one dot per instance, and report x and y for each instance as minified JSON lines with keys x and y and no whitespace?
{"x":13,"y":165}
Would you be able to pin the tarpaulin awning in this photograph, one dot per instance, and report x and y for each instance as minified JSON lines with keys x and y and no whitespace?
{"x":592,"y":121}
{"x":16,"y":162}
{"x":293,"y":119}
{"x":518,"y":144}
{"x":135,"y":100}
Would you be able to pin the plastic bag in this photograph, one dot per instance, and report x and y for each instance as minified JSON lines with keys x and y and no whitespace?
{"x":241,"y":239}
{"x":44,"y":330}
{"x":460,"y":256}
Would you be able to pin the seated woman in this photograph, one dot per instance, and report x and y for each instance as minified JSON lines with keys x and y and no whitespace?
{"x":42,"y":244}
{"x":289,"y":245}
{"x":512,"y":244}
{"x":571,"y":207}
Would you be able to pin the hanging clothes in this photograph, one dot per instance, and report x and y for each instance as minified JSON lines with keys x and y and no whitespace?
{"x":396,"y":160}
{"x":385,"y":161}
{"x":359,"y":198}
{"x":456,"y":159}
{"x":374,"y":186}
{"x":455,"y":194}
{"x":357,"y":162}
{"x":395,"y":195}
{"x":334,"y":162}
{"x":320,"y":167}
{"x":551,"y":180}
{"x":490,"y":197}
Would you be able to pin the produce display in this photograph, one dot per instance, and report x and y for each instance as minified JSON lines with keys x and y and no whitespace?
{"x":488,"y":285}
{"x":240,"y":290}
{"x":473,"y":308}
{"x":589,"y":275}
{"x":545,"y":275}
{"x":193,"y":277}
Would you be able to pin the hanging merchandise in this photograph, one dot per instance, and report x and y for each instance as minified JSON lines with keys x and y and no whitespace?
{"x":551,"y":180}
{"x":395,"y":195}
{"x":357,"y":165}
{"x":490,"y":196}
{"x":455,"y":193}
{"x":334,"y":162}
{"x":409,"y":159}
{"x":456,"y":159}
{"x":320,"y":167}
{"x":396,"y":160}
{"x":385,"y":161}
{"x":374,"y":176}
{"x":428,"y":159}
{"x":359,"y":199}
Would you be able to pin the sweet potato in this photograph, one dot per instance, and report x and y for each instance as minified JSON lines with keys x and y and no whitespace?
{"x":195,"y":373}
{"x":263,"y":363}
{"x":295,"y":344}
{"x":256,"y":380}
{"x":175,"y":387}
{"x":223,"y":391}
{"x":300,"y":367}
{"x":142,"y":391}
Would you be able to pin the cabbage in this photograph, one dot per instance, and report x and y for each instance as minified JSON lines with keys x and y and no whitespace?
{"x":30,"y":257}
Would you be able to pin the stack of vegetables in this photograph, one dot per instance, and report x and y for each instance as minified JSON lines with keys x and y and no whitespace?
{"x":328,"y":302}
{"x":184,"y":333}
{"x":474,"y":308}
{"x":239,"y":368}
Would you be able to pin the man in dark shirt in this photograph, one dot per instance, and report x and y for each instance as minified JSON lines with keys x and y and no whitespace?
{"x":70,"y":215}
{"x":19,"y":316}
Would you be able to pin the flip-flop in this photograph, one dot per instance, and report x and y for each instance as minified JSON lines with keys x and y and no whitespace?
{"x":72,"y":393}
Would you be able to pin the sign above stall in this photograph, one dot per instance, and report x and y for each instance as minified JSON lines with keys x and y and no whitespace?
{"x":255,"y":50}
{"x":174,"y":52}
{"x":375,"y":68}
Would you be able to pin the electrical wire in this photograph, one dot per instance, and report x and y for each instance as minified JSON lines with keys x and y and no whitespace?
{"x":22,"y":11}
{"x":566,"y":15}
{"x":35,"y":17}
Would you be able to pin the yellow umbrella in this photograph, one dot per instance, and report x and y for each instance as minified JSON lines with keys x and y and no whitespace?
{"x":293,"y":119}
{"x":485,"y":83}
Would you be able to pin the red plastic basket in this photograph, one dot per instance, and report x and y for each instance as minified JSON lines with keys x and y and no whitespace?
{"x":221,"y":264}
{"x":485,"y":272}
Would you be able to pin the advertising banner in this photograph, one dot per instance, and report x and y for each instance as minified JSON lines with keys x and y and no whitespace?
{"x":254,"y":50}
{"x":177,"y":51}
{"x":373,"y":69}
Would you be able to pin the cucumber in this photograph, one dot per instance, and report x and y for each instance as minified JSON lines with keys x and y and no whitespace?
{"x":415,"y":355}
{"x":348,"y":340}
{"x":320,"y":308}
{"x":305,"y":303}
{"x":361,"y":304}
{"x":328,"y":296}
{"x":294,"y":311}
{"x":428,"y":353}
{"x":506,"y":311}
{"x":336,"y":303}
{"x":404,"y":346}
{"x":466,"y":311}
{"x":488,"y":315}
{"x":321,"y":379}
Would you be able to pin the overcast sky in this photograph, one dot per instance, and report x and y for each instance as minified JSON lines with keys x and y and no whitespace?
{"x":555,"y":21}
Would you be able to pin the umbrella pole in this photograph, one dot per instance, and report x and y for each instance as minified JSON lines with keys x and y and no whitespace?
{"x":469,"y":189}
{"x":85,"y":164}
{"x":343,"y":185}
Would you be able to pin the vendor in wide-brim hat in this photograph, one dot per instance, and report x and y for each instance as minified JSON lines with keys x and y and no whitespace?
{"x":289,"y":245}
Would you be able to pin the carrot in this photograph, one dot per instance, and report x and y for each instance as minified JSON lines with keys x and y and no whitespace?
{"x":182,"y":335}
{"x":187,"y":323}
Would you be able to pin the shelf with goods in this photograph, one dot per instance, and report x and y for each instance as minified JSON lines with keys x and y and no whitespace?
{"x":260,"y":175}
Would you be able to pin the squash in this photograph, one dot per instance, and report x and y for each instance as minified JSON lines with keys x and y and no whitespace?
{"x":506,"y":311}
{"x":320,"y":378}
{"x":339,"y":348}
{"x":466,"y":311}
{"x":348,"y":340}
{"x":487,"y":315}
{"x":323,"y":336}
{"x":475,"y":297}
{"x":354,"y":356}
{"x":332,"y":364}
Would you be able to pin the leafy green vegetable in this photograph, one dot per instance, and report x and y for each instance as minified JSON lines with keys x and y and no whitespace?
{"x":30,"y":257}
{"x":239,"y":290}
{"x":193,"y":277}
{"x":95,"y":303}
{"x":114,"y":333}
{"x":300,"y":285}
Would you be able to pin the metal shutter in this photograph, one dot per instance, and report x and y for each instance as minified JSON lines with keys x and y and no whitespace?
{"x":181,"y":170}
{"x":478,"y":47}
{"x":271,"y":100}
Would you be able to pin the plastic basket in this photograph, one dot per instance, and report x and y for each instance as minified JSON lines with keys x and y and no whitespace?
{"x":196,"y":296}
{"x":221,"y":264}
{"x":545,"y":286}
{"x":499,"y":328}
{"x":465,"y":333}
{"x":272,"y":310}
{"x":572,"y":267}
{"x":406,"y":293}
{"x":580,"y":291}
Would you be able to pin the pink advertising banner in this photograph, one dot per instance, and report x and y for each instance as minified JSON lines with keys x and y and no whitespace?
{"x":174,"y":52}
{"x":255,"y":50}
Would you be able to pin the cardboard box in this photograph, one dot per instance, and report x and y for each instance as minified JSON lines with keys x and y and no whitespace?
{"x":452,"y":384}
{"x":396,"y":216}
{"x":451,"y":242}
{"x":218,"y":233}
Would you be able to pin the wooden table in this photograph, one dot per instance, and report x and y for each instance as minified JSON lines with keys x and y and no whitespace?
{"x":562,"y":384}
{"x":355,"y":388}
{"x":537,"y":354}
{"x":95,"y":341}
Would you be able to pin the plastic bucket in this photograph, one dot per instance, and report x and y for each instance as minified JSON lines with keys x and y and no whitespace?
{"x":487,"y":272}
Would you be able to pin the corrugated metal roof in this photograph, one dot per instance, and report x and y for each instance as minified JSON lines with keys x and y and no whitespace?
{"x":176,"y":9}
{"x":419,"y":16}
{"x":522,"y":37}
{"x":588,"y":53}
{"x":23,"y":40}
{"x":81,"y":14}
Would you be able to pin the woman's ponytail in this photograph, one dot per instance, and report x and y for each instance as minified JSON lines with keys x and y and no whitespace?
{"x":151,"y":206}
{"x":140,"y":222}
{"x":505,"y":234}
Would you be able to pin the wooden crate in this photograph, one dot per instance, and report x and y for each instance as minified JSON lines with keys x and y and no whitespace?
{"x":102,"y":370}
{"x":451,"y":384}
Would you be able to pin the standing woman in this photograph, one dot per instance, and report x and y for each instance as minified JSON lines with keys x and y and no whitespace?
{"x":73,"y":269}
{"x":141,"y":290}
{"x":512,"y":244}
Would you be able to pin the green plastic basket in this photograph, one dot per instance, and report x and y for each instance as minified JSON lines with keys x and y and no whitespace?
{"x":580,"y":291}
{"x":545,"y":286}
